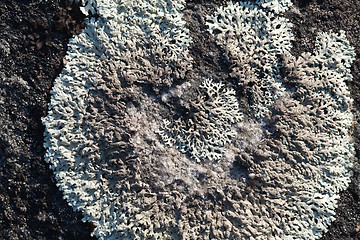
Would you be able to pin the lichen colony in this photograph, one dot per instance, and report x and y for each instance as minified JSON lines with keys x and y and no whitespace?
{"x":146,"y":152}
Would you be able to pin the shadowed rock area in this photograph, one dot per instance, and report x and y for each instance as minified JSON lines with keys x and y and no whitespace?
{"x":33,"y":40}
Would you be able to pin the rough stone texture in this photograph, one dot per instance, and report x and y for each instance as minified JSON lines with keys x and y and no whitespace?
{"x":31,"y":184}
{"x":33,"y":43}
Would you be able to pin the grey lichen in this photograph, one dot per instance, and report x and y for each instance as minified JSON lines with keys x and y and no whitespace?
{"x":305,"y":157}
{"x":253,"y":36}
{"x":272,"y":171}
{"x":205,"y":134}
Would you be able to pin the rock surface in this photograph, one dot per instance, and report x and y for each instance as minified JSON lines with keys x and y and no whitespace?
{"x":32,"y":46}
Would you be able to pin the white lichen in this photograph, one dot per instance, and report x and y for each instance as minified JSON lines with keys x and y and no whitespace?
{"x":126,"y":43}
{"x":280,"y":165}
{"x":254,"y":37}
{"x":205,"y":134}
{"x":306,"y":157}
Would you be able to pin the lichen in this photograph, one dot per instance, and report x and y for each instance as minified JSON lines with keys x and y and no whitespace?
{"x":205,"y":134}
{"x":254,"y":36}
{"x":305,"y":158}
{"x":273,"y":171}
